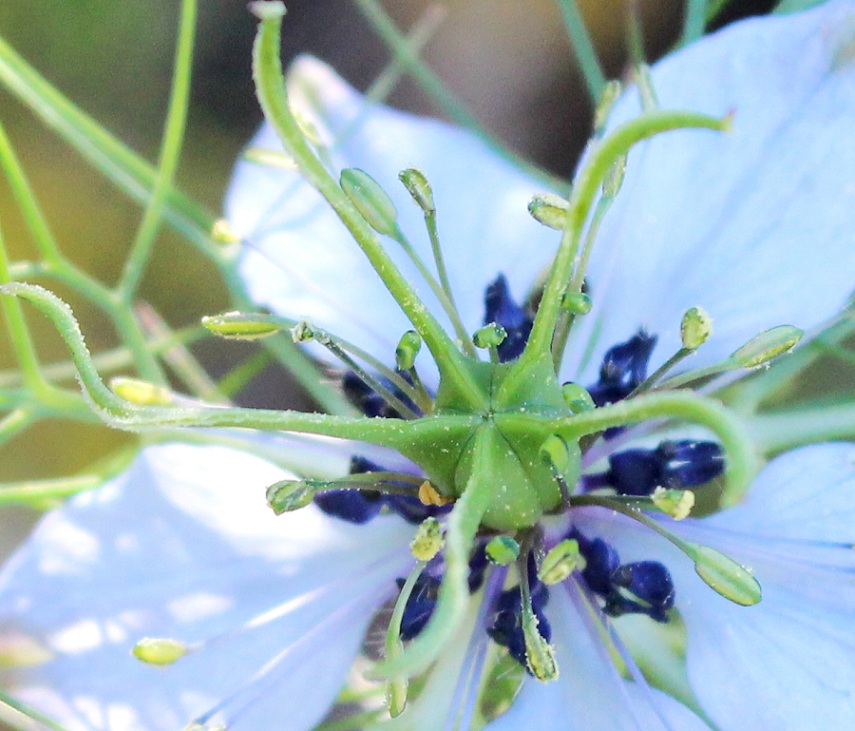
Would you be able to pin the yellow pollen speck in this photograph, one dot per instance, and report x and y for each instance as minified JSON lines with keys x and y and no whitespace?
{"x":429,"y":495}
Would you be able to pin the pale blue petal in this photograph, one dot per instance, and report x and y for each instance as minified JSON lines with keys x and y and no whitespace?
{"x":756,"y":226}
{"x":804,"y":495}
{"x":182,"y":545}
{"x":589,"y":695}
{"x":300,"y":261}
{"x":787,"y":663}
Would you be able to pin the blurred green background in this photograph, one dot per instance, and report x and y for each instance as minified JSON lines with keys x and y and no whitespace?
{"x":509,"y":61}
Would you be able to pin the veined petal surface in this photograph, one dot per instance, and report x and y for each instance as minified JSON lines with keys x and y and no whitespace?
{"x":756,"y":225}
{"x":590,"y":694}
{"x":183,"y":546}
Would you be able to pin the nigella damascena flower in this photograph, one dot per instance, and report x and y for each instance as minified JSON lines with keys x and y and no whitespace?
{"x":612,"y":616}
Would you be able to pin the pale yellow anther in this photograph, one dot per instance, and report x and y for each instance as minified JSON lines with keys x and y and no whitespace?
{"x":429,"y":495}
{"x":223,"y":232}
{"x":141,"y":393}
{"x":428,"y":540}
{"x":676,"y":503}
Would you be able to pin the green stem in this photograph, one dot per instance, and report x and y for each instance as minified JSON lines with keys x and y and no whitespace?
{"x":397,"y":692}
{"x":695,"y":18}
{"x":270,"y":87}
{"x":177,"y":356}
{"x":585,"y":189}
{"x":462,"y":526}
{"x":441,"y":290}
{"x":41,"y":492}
{"x":108,"y":361}
{"x":584,"y":49}
{"x":19,"y":334}
{"x":115,"y":160}
{"x":778,"y":432}
{"x":30,"y":209}
{"x":173,"y":137}
{"x":394,"y":433}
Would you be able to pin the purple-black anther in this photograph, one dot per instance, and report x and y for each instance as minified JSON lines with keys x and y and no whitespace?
{"x":354,"y":506}
{"x":677,"y":465}
{"x":624,"y":368}
{"x":642,"y":587}
{"x":371,"y":403}
{"x":420,"y":605}
{"x":500,"y":307}
{"x":647,"y":581}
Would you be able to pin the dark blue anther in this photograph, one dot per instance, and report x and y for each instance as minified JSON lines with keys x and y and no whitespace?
{"x":677,"y":464}
{"x":648,"y":589}
{"x":420,"y":605}
{"x":642,"y":587}
{"x":500,"y":307}
{"x":478,"y":563}
{"x":354,"y":506}
{"x":360,"y":506}
{"x":371,"y":403}
{"x":624,"y":368}
{"x":506,"y":628}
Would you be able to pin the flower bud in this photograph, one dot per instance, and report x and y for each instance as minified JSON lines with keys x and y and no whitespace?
{"x":561,"y":561}
{"x":676,"y":503}
{"x":159,"y":650}
{"x":141,"y":393}
{"x":417,"y":185}
{"x":695,"y":328}
{"x":577,"y":398}
{"x":408,"y":348}
{"x":428,"y":541}
{"x":502,"y":550}
{"x":550,"y":210}
{"x":240,"y":326}
{"x":370,"y":200}
{"x":767,"y":345}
